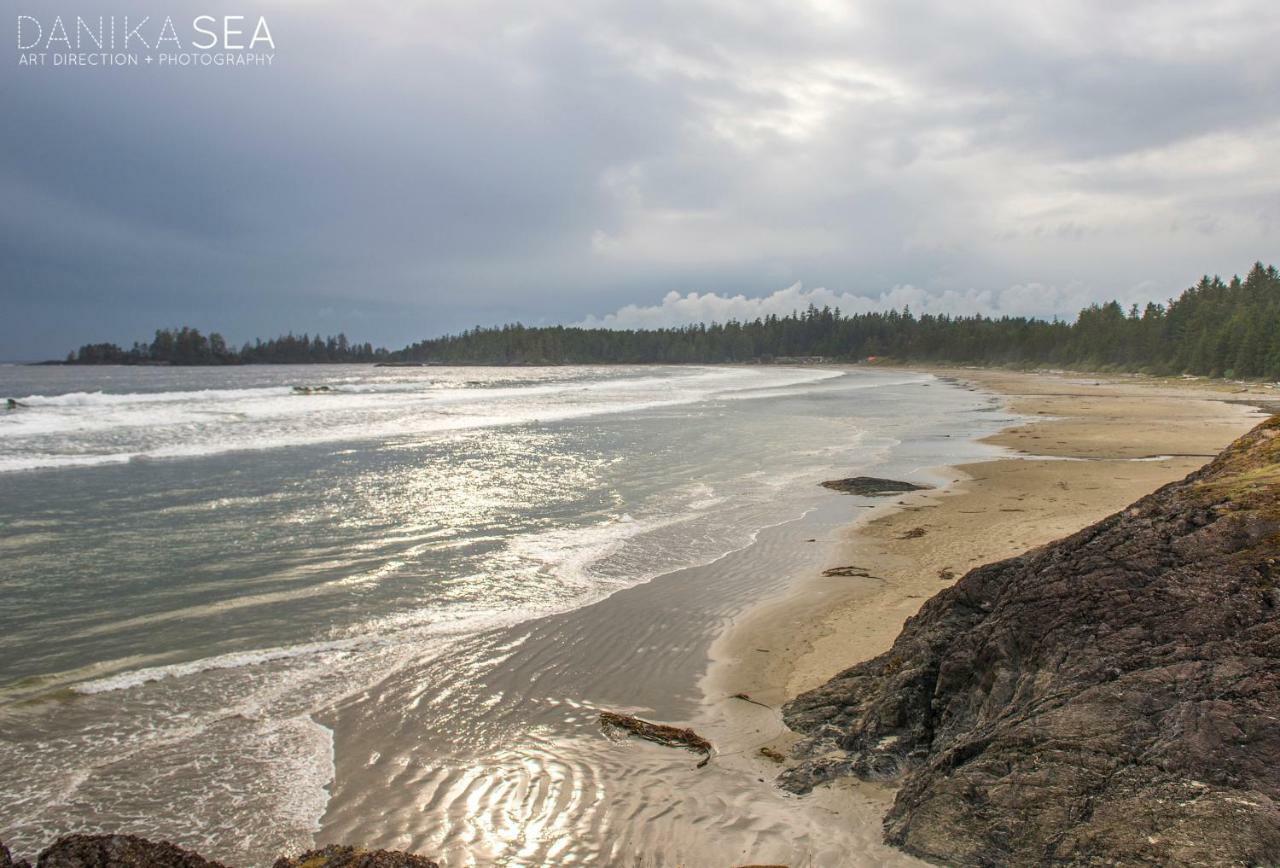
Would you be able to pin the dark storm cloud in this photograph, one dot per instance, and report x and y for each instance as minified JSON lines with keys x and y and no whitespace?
{"x":406,"y":169}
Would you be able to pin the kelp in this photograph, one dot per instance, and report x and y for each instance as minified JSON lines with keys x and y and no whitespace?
{"x":658,"y":733}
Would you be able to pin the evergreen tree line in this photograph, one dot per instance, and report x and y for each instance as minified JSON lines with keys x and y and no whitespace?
{"x":1215,"y":328}
{"x":188,"y":346}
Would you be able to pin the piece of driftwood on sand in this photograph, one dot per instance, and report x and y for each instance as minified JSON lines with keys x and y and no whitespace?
{"x":659,"y":733}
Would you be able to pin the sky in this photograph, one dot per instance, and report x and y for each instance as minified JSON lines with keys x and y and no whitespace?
{"x":405,"y":169}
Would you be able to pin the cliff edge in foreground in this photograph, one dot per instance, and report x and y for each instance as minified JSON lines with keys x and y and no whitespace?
{"x":1113,"y":697}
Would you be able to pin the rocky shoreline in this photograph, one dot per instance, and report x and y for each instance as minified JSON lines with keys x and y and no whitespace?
{"x":130,"y":851}
{"x":1111,"y":697}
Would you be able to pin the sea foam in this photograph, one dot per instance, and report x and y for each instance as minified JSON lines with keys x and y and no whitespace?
{"x":91,"y":428}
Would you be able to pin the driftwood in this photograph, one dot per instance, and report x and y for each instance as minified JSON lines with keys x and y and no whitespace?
{"x":854,"y":571}
{"x":670,"y":736}
{"x":770,"y":753}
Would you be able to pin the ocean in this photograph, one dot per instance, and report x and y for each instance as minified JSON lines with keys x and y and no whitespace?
{"x":249,"y":609}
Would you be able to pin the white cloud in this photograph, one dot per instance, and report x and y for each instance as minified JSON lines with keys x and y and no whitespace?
{"x":1029,"y":299}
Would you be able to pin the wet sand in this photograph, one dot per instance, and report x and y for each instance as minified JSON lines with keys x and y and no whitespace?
{"x":1088,"y":447}
{"x":493,"y":754}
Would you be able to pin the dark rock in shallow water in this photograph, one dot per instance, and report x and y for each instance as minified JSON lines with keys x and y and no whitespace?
{"x":130,"y":851}
{"x":336,"y":856}
{"x":871,"y":486}
{"x":1112,"y":698}
{"x":7,"y":860}
{"x":119,"y":851}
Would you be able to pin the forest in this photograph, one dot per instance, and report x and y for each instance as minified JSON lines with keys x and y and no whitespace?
{"x":1216,"y":328}
{"x":189,"y":346}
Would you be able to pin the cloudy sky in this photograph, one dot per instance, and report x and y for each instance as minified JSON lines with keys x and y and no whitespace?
{"x":409,"y":168}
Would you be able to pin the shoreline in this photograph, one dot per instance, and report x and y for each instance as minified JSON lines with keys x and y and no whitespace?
{"x":771,"y":626}
{"x":1085,"y":447}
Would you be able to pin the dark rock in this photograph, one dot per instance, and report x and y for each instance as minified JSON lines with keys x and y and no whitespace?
{"x":7,"y":860}
{"x":336,"y":856}
{"x":870,"y":486}
{"x":130,"y":851}
{"x":1111,"y":698}
{"x":118,"y":851}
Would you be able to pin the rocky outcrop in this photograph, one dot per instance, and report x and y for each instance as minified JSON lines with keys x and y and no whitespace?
{"x":7,"y":860}
{"x":337,"y":856}
{"x":1112,"y":698}
{"x":871,"y":486}
{"x":130,"y":851}
{"x":119,"y":851}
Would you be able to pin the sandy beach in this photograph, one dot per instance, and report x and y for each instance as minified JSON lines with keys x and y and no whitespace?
{"x":1087,"y":446}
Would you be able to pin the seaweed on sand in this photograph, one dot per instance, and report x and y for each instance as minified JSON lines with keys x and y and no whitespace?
{"x":615,"y":724}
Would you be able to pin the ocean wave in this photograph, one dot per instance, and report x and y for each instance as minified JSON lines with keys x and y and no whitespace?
{"x":583,"y":564}
{"x":39,"y":461}
{"x":233,"y":660}
{"x":113,"y":399}
{"x":87,"y":429}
